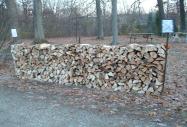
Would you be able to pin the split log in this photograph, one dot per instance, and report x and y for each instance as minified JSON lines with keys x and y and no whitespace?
{"x":135,"y":67}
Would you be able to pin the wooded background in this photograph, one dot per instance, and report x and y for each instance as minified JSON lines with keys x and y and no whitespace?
{"x":73,"y":18}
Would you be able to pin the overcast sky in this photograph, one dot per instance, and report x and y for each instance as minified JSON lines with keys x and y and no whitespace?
{"x":146,"y":4}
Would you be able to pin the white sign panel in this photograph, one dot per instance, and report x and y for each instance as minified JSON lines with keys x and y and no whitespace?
{"x":167,"y":26}
{"x":14,"y":33}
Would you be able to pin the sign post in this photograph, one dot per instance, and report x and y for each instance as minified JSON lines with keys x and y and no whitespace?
{"x":167,"y":28}
{"x":14,"y":34}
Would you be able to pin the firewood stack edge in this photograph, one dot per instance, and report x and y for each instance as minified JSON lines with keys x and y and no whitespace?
{"x":138,"y":68}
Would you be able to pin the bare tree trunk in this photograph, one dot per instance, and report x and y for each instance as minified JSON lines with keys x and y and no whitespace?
{"x":12,"y":23}
{"x":100,"y":34}
{"x":4,"y":25}
{"x":161,"y":9}
{"x":182,"y":16}
{"x":38,"y":22}
{"x":12,"y":14}
{"x":114,"y":23}
{"x":161,"y":15}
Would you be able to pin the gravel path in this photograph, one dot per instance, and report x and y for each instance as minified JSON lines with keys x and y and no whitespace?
{"x":27,"y":109}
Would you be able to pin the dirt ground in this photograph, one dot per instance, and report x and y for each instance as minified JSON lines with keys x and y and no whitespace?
{"x":167,"y":109}
{"x":123,"y":40}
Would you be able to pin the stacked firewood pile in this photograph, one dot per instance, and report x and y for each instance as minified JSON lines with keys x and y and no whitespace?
{"x":133,"y":68}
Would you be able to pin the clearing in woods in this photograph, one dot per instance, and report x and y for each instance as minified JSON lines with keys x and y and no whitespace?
{"x":170,"y":109}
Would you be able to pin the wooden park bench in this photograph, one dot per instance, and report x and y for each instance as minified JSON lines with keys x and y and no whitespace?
{"x":179,"y":37}
{"x":147,"y":36}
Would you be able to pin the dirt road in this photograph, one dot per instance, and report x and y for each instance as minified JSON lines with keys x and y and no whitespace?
{"x":27,"y":109}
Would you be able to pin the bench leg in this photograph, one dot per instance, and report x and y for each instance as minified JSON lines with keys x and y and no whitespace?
{"x":147,"y":39}
{"x":130,"y":39}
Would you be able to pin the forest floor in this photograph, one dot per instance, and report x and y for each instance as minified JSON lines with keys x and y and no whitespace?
{"x":123,"y":40}
{"x":169,"y":109}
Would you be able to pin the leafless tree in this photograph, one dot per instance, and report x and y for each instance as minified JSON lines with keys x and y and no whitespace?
{"x":114,"y":23}
{"x":161,"y":15}
{"x":4,"y":25}
{"x":12,"y":13}
{"x":182,"y":16}
{"x":161,"y":9}
{"x":38,"y":22}
{"x":100,"y":34}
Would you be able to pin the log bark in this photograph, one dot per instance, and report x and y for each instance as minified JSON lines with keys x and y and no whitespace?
{"x":93,"y":66}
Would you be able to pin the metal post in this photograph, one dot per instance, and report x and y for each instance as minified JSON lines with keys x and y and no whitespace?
{"x":165,"y":68}
{"x":14,"y":40}
{"x":79,"y":39}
